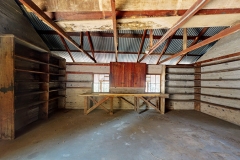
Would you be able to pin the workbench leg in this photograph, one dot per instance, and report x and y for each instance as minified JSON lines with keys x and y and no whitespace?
{"x":162,"y":105}
{"x":137,"y":109}
{"x":135,"y":103}
{"x":85,"y":105}
{"x":111,"y":105}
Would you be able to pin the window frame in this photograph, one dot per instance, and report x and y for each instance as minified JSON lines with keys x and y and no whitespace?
{"x":147,"y":90}
{"x":100,"y":89}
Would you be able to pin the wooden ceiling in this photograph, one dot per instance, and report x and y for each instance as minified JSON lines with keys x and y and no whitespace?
{"x":101,"y":15}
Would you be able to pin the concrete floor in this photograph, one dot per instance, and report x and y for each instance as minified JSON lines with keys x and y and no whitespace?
{"x":126,"y":135}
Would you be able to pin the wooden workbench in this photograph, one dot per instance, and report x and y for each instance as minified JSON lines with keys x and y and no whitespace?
{"x":146,"y":97}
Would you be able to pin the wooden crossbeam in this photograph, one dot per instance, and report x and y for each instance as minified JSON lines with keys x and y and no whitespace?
{"x":190,"y":12}
{"x":41,"y":15}
{"x":97,"y":104}
{"x":120,"y":35}
{"x":150,"y":104}
{"x":90,"y":43}
{"x":127,"y":101}
{"x":165,"y":48}
{"x":142,"y":43}
{"x":216,"y":37}
{"x":86,"y":15}
{"x":81,"y":39}
{"x":94,"y":101}
{"x":115,"y":33}
{"x":67,"y":48}
{"x":203,"y":31}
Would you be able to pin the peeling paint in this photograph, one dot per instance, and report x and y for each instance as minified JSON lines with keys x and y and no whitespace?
{"x":136,"y":25}
{"x":7,"y":89}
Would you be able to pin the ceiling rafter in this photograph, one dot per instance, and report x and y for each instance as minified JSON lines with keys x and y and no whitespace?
{"x":115,"y":33}
{"x":142,"y":43}
{"x":41,"y":15}
{"x":90,"y":43}
{"x":187,"y":15}
{"x":203,"y":31}
{"x":214,"y":38}
{"x":81,"y":40}
{"x":66,"y":47}
{"x":165,"y":48}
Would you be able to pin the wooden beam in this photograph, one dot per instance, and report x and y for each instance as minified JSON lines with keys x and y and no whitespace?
{"x":115,"y":33}
{"x":203,"y":31}
{"x":190,"y":12}
{"x":120,"y":35}
{"x":41,"y":15}
{"x":165,"y":47}
{"x":81,"y":39}
{"x":95,"y":15}
{"x":67,"y":48}
{"x":216,"y":37}
{"x":142,"y":43}
{"x":90,"y":43}
{"x":218,"y":58}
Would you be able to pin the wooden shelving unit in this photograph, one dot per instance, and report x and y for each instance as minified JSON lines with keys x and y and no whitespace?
{"x":26,"y":88}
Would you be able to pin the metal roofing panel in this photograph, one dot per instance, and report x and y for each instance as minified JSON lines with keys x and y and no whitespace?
{"x":189,"y":59}
{"x":214,"y":30}
{"x":129,"y":44}
{"x":53,"y":42}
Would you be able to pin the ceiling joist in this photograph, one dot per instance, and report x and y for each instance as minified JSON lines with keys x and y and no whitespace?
{"x":66,"y":47}
{"x":120,"y":35}
{"x":142,"y":43}
{"x":115,"y":33}
{"x":216,"y":37}
{"x":90,"y":43}
{"x":203,"y":31}
{"x":41,"y":15}
{"x":165,"y":48}
{"x":190,"y":12}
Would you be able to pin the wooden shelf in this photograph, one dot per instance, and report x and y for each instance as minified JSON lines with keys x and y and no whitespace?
{"x":57,"y":74}
{"x":56,"y":90}
{"x":30,"y":60}
{"x":30,"y":71}
{"x":54,"y":98}
{"x":29,"y":105}
{"x":56,"y":66}
{"x":28,"y":93}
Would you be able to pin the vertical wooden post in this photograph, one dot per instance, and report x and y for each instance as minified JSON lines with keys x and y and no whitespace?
{"x":197,"y":89}
{"x":135,"y":103}
{"x":163,"y":88}
{"x":7,"y":127}
{"x":111,"y":105}
{"x":85,"y":105}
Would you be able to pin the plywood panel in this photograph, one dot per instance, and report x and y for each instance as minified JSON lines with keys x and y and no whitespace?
{"x":7,"y":88}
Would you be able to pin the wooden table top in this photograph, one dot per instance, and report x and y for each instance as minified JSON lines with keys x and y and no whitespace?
{"x":127,"y":94}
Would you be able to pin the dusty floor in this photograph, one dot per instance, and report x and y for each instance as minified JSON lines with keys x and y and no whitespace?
{"x":126,"y":135}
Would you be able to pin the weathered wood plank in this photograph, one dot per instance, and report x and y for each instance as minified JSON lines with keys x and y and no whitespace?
{"x":10,"y":17}
{"x":132,"y":5}
{"x":7,"y":128}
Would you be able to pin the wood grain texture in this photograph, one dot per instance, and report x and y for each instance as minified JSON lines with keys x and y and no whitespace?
{"x":7,"y":88}
{"x":12,"y":21}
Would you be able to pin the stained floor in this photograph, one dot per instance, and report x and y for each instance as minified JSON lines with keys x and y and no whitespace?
{"x":126,"y":135}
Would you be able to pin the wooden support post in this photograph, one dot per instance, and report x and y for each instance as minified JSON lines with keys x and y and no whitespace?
{"x":85,"y":105}
{"x":162,"y":83}
{"x":115,"y":33}
{"x":197,"y":91}
{"x":7,"y":128}
{"x":111,"y":105}
{"x":135,"y":103}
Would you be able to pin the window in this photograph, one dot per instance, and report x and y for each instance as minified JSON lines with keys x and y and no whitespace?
{"x":152,"y":83}
{"x":101,"y":83}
